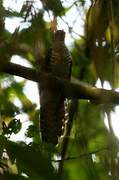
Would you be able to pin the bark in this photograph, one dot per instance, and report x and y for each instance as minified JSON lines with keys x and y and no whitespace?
{"x":74,"y":89}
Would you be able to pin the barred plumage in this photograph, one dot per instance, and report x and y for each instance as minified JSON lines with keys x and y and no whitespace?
{"x":52,"y":111}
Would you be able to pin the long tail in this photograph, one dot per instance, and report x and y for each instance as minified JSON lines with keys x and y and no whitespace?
{"x":52,"y":114}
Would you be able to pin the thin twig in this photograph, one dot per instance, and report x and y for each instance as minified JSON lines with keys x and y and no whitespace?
{"x":84,"y":154}
{"x":72,"y":112}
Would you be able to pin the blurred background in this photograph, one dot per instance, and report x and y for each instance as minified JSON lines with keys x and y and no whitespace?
{"x":92,"y":37}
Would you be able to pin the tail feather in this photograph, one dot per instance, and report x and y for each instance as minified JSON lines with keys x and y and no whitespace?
{"x":51,"y":118}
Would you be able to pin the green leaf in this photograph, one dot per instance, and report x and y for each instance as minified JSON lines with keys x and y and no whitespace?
{"x":55,"y":6}
{"x":29,"y":160}
{"x":8,"y":176}
{"x":14,"y":126}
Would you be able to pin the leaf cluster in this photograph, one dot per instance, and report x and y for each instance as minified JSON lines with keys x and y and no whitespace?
{"x":92,"y":148}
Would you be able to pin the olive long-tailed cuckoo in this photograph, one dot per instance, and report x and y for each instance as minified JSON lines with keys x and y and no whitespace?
{"x":58,"y":63}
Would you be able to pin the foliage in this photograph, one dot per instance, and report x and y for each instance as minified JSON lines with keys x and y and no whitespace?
{"x":91,"y":151}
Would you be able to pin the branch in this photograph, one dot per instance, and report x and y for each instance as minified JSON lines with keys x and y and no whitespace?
{"x":84,"y":154}
{"x":18,"y":70}
{"x":23,"y":50}
{"x":72,"y":112}
{"x":71,"y":90}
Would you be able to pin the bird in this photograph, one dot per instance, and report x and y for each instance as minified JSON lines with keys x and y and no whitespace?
{"x":58,"y":63}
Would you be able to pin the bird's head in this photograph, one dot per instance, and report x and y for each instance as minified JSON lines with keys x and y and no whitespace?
{"x":59,"y":35}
